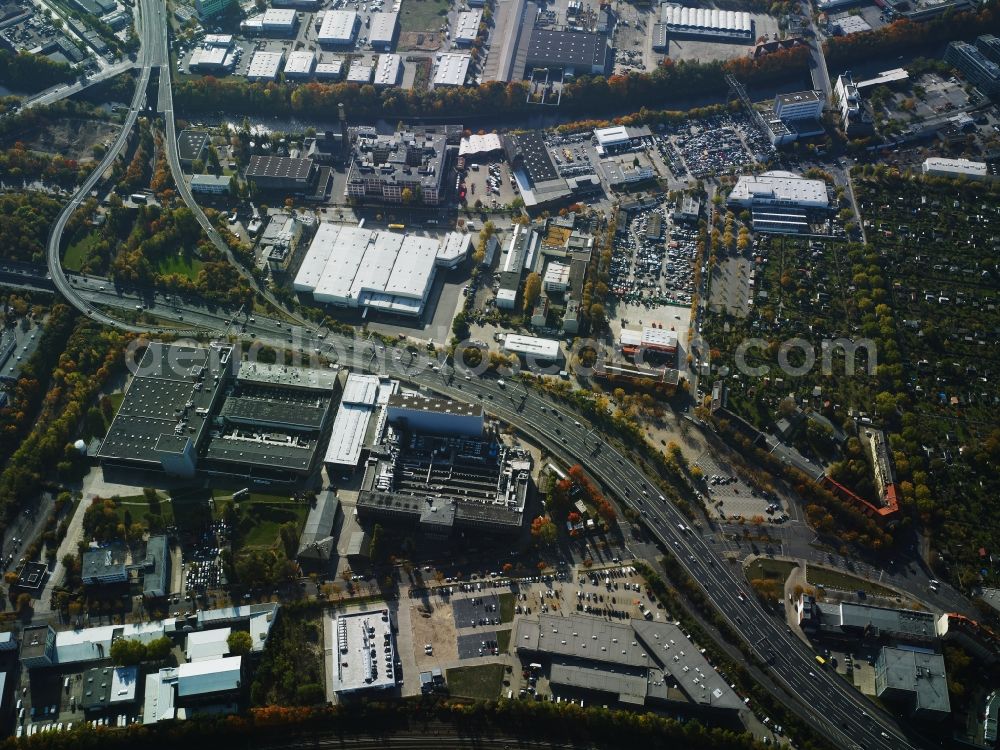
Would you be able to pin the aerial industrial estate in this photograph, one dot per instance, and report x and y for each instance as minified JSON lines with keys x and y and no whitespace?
{"x":574,"y":372}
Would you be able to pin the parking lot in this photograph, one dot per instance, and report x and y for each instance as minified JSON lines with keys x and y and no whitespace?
{"x":653,"y":263}
{"x":476,"y":611}
{"x":573,"y":155}
{"x":491,"y":183}
{"x":733,"y":498}
{"x":725,"y":144}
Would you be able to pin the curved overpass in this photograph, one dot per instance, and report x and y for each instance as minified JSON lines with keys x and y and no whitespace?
{"x":825,"y":701}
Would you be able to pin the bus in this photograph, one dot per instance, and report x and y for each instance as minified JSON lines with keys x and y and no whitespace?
{"x":397,"y":227}
{"x":820,"y":660}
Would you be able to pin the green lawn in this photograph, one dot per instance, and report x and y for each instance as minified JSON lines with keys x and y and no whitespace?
{"x":834,"y":579}
{"x":479,"y":683}
{"x":503,"y":640}
{"x":776,"y":569}
{"x":422,"y":15}
{"x":77,"y":252}
{"x":260,"y":516}
{"x":138,"y":509}
{"x":506,"y":606}
{"x":188,"y":266}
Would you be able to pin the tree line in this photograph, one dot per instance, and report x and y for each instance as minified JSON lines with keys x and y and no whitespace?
{"x":531,"y":720}
{"x":905,"y":36}
{"x":30,"y":73}
{"x":589,"y":95}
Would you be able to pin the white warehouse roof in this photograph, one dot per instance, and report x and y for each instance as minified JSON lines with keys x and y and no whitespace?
{"x":357,"y":267}
{"x":387,"y":69}
{"x":780,"y":188}
{"x":467,"y":28}
{"x":208,"y":644}
{"x":479,"y":144}
{"x":265,"y":66}
{"x":531,"y":346}
{"x":936,"y":165}
{"x":706,"y":19}
{"x":279,"y":18}
{"x":332,"y":69}
{"x":209,"y":676}
{"x":338,"y":27}
{"x":300,"y":63}
{"x":611,"y":136}
{"x":451,"y":69}
{"x":383,"y":28}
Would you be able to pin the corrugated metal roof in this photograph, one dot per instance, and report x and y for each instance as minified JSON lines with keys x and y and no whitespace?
{"x":209,"y":676}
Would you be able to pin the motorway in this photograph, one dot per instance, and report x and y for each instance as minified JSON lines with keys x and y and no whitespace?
{"x":835,"y":709}
{"x":63,"y":90}
{"x":838,"y":710}
{"x":150,"y":14}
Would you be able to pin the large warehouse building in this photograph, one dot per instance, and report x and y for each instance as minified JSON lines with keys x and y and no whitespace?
{"x":577,"y":52}
{"x":384,"y":26}
{"x":705,"y":23}
{"x":339,"y":28}
{"x":452,"y":69}
{"x":375,"y":269}
{"x":196,"y":409}
{"x":781,"y":202}
{"x":358,"y":419}
{"x":280,"y":173}
{"x":438,"y":468}
{"x":633,"y":663}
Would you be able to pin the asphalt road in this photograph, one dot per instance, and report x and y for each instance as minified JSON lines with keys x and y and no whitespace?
{"x":63,"y":90}
{"x":830,"y":705}
{"x":827,"y":702}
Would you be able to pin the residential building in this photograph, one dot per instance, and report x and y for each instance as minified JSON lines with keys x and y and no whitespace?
{"x":207,"y":9}
{"x":975,"y":66}
{"x":935,"y":166}
{"x":384,"y":166}
{"x":210,"y":184}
